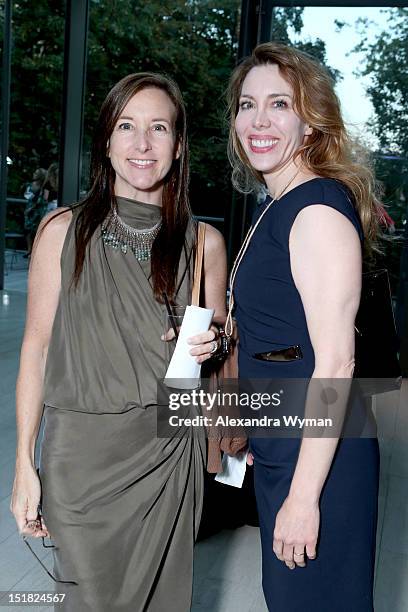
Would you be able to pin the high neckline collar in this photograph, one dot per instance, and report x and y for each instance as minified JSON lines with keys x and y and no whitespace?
{"x":138,"y":214}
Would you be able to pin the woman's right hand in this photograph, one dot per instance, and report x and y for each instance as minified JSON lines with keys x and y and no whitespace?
{"x":25,"y":500}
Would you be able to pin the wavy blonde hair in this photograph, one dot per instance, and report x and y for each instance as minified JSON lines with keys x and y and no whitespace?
{"x":329,"y":151}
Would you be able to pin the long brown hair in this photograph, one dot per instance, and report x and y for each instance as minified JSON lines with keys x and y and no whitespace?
{"x":329,"y":151}
{"x":176,"y":211}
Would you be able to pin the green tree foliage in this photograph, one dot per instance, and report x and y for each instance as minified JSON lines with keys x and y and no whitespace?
{"x":287,"y":25}
{"x":36,"y":87}
{"x":193,"y":41}
{"x":386,"y":61}
{"x":284,"y":19}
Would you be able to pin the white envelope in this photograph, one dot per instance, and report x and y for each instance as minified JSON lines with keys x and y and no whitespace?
{"x":233,"y":470}
{"x":183,"y":371}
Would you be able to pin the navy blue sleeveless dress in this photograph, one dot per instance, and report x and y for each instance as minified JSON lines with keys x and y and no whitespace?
{"x":270,"y":316}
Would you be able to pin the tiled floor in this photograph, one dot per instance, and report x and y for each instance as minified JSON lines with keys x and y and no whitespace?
{"x":227,"y":565}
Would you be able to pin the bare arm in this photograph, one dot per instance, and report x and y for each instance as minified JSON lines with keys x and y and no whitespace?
{"x":44,"y":283}
{"x":215,"y":272}
{"x":325,"y":256}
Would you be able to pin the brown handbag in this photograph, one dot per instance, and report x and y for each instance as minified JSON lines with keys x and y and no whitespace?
{"x":225,"y":439}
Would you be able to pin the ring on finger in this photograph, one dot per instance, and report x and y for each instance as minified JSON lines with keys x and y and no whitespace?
{"x":34,"y":524}
{"x":214,"y":346}
{"x":302,"y":554}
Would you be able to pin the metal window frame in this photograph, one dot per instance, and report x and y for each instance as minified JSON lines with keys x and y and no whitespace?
{"x":74,"y":84}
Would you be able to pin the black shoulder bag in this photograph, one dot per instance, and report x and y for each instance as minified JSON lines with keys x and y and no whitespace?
{"x":377,"y":343}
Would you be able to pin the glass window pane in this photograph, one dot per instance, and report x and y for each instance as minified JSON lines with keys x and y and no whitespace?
{"x":193,"y":42}
{"x":35,"y":116}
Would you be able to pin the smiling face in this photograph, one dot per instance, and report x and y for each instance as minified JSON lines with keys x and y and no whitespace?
{"x":269,"y":130}
{"x":143,"y":145}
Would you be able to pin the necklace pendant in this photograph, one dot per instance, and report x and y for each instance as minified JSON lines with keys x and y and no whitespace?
{"x":118,"y":235}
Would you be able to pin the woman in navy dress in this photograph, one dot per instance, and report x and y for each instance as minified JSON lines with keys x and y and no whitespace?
{"x":298,"y":284}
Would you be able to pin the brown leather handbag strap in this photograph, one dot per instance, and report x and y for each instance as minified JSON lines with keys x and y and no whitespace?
{"x":198,"y":264}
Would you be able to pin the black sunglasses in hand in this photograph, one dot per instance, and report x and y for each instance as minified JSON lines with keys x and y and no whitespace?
{"x":25,"y":540}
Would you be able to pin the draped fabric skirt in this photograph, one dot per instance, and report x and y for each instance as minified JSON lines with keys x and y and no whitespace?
{"x":123,"y":509}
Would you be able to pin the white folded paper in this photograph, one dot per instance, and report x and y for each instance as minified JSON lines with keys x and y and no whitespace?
{"x":233,"y":470}
{"x":183,"y":371}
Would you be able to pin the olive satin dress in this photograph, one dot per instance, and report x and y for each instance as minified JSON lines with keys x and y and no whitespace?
{"x":122,"y":506}
{"x":270,"y":316}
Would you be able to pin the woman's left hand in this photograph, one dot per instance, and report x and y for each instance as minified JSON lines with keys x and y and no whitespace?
{"x":296,"y":529}
{"x":205,"y":344}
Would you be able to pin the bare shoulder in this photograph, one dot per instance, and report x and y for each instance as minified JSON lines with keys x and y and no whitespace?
{"x":214,"y":240}
{"x":53,"y":227}
{"x":58,"y":219}
{"x":323,"y":227}
{"x":322,"y":215}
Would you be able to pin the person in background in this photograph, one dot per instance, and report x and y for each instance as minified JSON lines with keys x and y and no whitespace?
{"x":51,"y":187}
{"x":36,"y":207}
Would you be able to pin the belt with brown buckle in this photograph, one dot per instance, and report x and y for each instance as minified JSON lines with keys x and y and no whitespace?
{"x":291,"y":353}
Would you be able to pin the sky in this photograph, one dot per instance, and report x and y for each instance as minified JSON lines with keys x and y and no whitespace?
{"x":320,"y":22}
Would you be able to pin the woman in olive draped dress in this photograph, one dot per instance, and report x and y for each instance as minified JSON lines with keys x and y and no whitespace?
{"x":122,"y":506}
